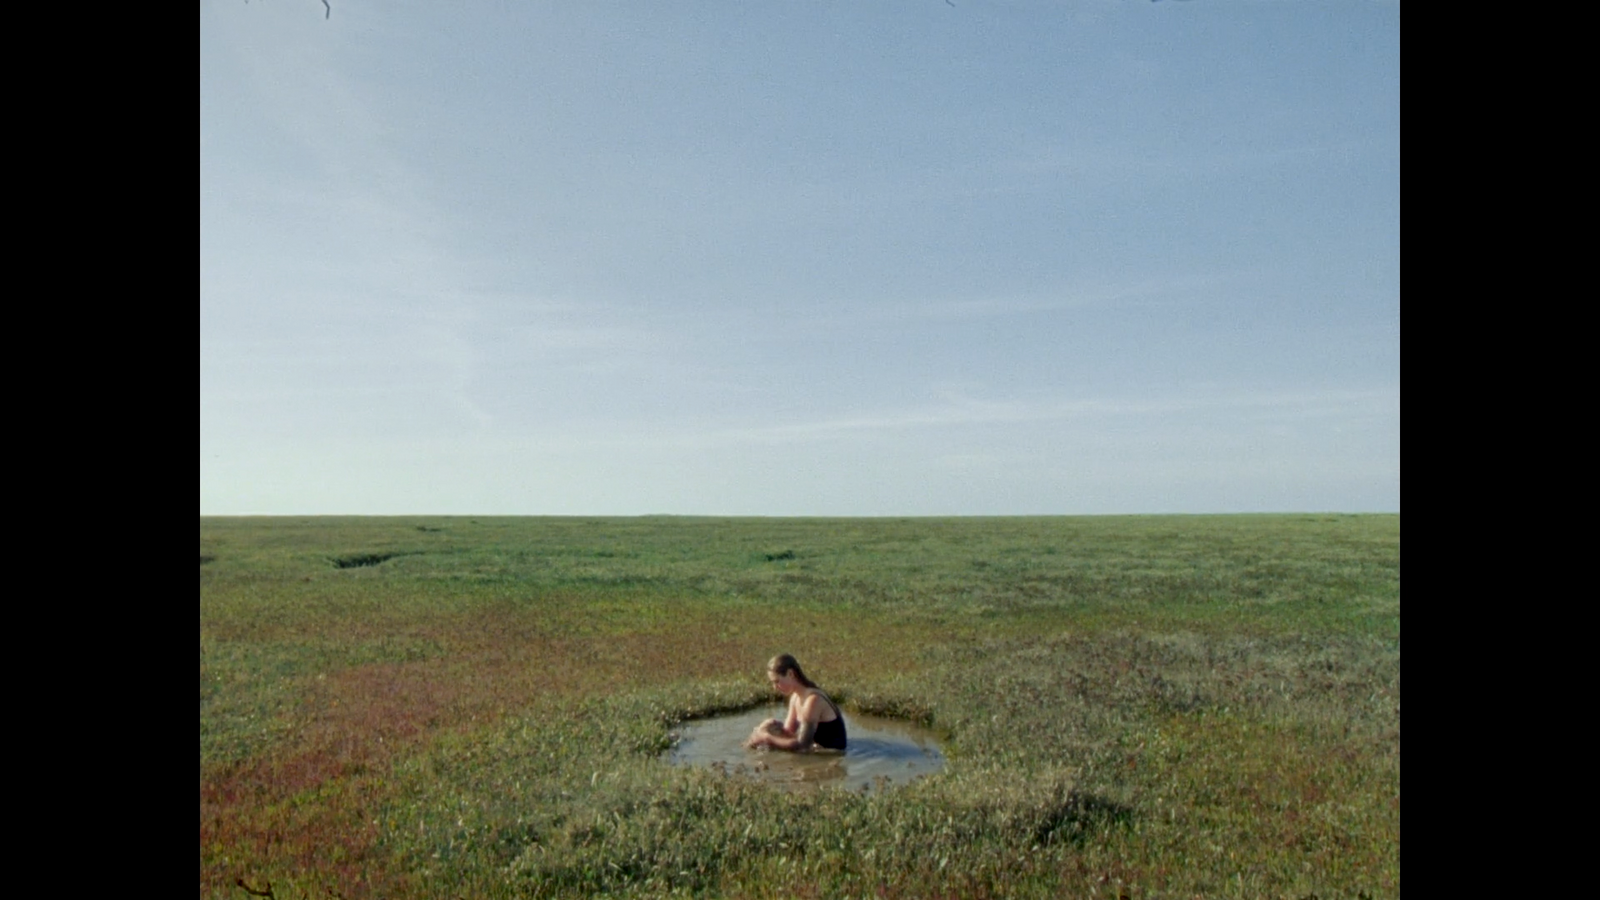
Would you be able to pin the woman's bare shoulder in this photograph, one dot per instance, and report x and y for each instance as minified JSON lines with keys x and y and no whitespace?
{"x":821,"y":703}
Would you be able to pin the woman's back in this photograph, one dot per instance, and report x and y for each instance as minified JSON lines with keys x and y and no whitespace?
{"x":830,"y":732}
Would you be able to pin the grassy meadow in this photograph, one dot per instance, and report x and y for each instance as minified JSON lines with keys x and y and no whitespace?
{"x":1151,"y":706}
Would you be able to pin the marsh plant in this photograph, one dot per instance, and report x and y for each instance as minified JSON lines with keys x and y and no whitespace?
{"x":1130,"y":707}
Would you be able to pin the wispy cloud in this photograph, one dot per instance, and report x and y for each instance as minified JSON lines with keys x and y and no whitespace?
{"x":960,"y":413}
{"x":986,"y":307}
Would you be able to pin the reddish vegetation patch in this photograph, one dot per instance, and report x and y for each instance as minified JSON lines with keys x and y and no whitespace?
{"x":308,"y":805}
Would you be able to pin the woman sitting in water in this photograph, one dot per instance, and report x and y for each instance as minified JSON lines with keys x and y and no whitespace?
{"x":813,"y":719}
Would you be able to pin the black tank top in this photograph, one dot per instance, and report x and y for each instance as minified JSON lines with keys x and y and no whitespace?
{"x":831,"y":734}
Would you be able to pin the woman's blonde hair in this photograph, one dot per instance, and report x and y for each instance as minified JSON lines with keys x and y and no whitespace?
{"x":783,"y":664}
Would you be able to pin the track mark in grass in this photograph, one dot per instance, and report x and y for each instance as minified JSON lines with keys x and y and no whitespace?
{"x":361,"y":560}
{"x":256,"y":891}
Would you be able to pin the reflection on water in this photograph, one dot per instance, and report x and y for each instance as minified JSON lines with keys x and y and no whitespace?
{"x":879,"y":752}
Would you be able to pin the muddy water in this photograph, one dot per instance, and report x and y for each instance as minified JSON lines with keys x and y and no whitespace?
{"x":880,"y":752}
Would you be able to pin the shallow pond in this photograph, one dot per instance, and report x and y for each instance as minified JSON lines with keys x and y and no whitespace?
{"x":879,"y":752}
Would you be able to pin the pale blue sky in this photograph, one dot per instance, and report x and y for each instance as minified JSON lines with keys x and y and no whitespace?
{"x":776,"y":258}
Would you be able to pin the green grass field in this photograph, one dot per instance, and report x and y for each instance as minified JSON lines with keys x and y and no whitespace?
{"x":1133,"y":706}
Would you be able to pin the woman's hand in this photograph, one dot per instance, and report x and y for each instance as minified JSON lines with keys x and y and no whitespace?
{"x":759,"y":737}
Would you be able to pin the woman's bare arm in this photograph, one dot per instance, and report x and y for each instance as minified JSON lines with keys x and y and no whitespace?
{"x":804,"y":730}
{"x":791,"y":720}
